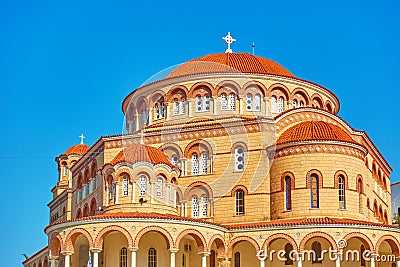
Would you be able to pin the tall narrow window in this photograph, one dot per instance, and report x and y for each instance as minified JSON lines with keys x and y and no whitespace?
{"x":199,"y":103}
{"x":125,"y":183}
{"x":224,"y":102}
{"x":257,"y":102}
{"x":183,"y":106}
{"x":112,"y":189}
{"x":152,"y":258}
{"x":145,"y":117}
{"x":301,"y":103}
{"x":206,"y":103}
{"x":123,"y":257}
{"x":280,"y":104}
{"x":195,"y":164}
{"x":314,"y":191}
{"x":159,"y":187}
{"x":142,"y":185}
{"x":273,"y":104}
{"x":295,"y":103}
{"x":204,"y":163}
{"x":341,"y":185}
{"x":288,"y":254}
{"x":212,"y":258}
{"x":239,"y":202}
{"x":359,"y":191}
{"x":174,"y":160}
{"x":239,"y":159}
{"x":249,"y":102}
{"x":231,"y":102}
{"x":65,"y":170}
{"x":204,"y":206}
{"x":362,"y":258}
{"x":288,"y":193}
{"x":176,"y":106}
{"x":195,"y":207}
{"x":237,"y":259}
{"x":316,"y":248}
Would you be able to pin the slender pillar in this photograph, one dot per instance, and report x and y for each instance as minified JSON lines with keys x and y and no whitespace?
{"x":204,"y":258}
{"x":372,"y":260}
{"x":150,"y":113}
{"x":337,"y":261}
{"x":299,"y":260}
{"x":167,"y":194}
{"x":53,"y":261}
{"x":95,"y":259}
{"x":215,"y":101}
{"x":189,"y":107}
{"x":172,"y":257}
{"x":133,"y":192}
{"x":116,"y":200}
{"x":152,"y":192}
{"x":133,"y":251}
{"x":398,"y":262}
{"x":67,"y":258}
{"x":174,"y":196}
{"x":240,"y":105}
{"x":107,"y":196}
{"x":167,"y":111}
{"x":137,"y":121}
{"x":266,"y":106}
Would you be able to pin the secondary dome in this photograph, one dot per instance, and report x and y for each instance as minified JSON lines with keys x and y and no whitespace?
{"x":79,"y":149}
{"x":314,"y":131}
{"x":141,"y":153}
{"x":230,"y":63}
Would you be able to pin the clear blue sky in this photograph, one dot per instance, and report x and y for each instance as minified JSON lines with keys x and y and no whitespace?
{"x":65,"y":67}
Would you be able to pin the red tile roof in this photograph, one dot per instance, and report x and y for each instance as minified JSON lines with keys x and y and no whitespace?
{"x":314,"y":131}
{"x":230,"y":63}
{"x":79,"y":149}
{"x":138,"y":152}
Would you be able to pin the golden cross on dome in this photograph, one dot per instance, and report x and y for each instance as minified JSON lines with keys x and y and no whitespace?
{"x":228,"y":39}
{"x":82,"y":137}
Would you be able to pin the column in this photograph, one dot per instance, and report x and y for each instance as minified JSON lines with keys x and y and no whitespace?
{"x":130,"y":126}
{"x":152,"y":192}
{"x":189,"y":107}
{"x":262,"y":263}
{"x":172,"y":258}
{"x":133,"y":192}
{"x":53,"y":261}
{"x":133,"y":256}
{"x":166,"y":111}
{"x":266,"y":106}
{"x":107,"y":196}
{"x":150,"y":113}
{"x":240,"y":105}
{"x":167,"y":194}
{"x":372,"y":260}
{"x":67,"y":254}
{"x":215,"y":101}
{"x":204,"y":258}
{"x":183,"y":165}
{"x":337,"y":261}
{"x":116,"y":201}
{"x":137,"y":121}
{"x":398,"y":262}
{"x":174,"y":196}
{"x":95,"y":260}
{"x":299,"y":259}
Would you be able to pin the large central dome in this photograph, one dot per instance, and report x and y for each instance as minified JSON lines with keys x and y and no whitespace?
{"x":230,"y":63}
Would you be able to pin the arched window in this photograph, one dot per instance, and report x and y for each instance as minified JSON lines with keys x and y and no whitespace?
{"x":206,"y":103}
{"x":159,"y":110}
{"x":362,"y":258}
{"x":174,"y":160}
{"x":249,"y":102}
{"x":152,"y":258}
{"x":159,"y":187}
{"x":125,"y":183}
{"x":288,"y":193}
{"x":176,"y":106}
{"x":294,"y":103}
{"x":195,"y":207}
{"x":257,"y":102}
{"x":280,"y":104}
{"x":224,"y":102}
{"x":273,"y":104}
{"x":237,"y":259}
{"x":342,"y":193}
{"x":204,"y":163}
{"x":195,"y":164}
{"x":316,"y":247}
{"x":314,"y":191}
{"x":199,"y":104}
{"x":359,"y":191}
{"x":112,"y":189}
{"x":288,"y":254}
{"x":123,"y":257}
{"x":182,"y":110}
{"x":239,"y":159}
{"x":231,"y":102}
{"x":212,"y":258}
{"x":142,"y":185}
{"x":239,"y":202}
{"x":145,"y":117}
{"x":204,"y":207}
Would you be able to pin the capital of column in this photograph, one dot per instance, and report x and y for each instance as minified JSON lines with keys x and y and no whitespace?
{"x":96,"y":250}
{"x":133,"y":249}
{"x":173,"y":250}
{"x":204,"y":253}
{"x":67,"y":253}
{"x":53,"y":258}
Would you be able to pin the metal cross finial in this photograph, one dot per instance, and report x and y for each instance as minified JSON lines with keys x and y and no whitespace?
{"x":228,"y":39}
{"x":82,"y":137}
{"x":253,"y":46}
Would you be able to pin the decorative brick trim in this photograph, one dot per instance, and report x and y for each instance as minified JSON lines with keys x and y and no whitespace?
{"x":320,"y":178}
{"x":198,"y":237}
{"x":55,"y":244}
{"x":325,"y":236}
{"x":166,"y":235}
{"x":228,"y":87}
{"x":292,"y":181}
{"x":177,"y":92}
{"x":239,"y":239}
{"x":71,"y":237}
{"x":201,"y":88}
{"x":237,"y":187}
{"x":219,"y":242}
{"x":255,"y":84}
{"x":98,"y":243}
{"x":392,"y":241}
{"x":274,"y":237}
{"x":199,"y":147}
{"x":346,"y":180}
{"x":203,"y":185}
{"x":363,"y":238}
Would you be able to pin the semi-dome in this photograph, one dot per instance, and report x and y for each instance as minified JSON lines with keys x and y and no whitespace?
{"x":314,"y":131}
{"x":230,"y":63}
{"x":141,"y":153}
{"x":79,"y":149}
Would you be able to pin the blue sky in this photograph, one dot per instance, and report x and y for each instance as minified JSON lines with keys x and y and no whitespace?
{"x":65,"y":67}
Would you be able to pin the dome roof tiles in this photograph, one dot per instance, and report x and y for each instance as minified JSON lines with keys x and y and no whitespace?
{"x":79,"y":149}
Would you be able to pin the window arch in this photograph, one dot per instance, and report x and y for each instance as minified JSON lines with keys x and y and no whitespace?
{"x":237,"y":259}
{"x":152,"y":257}
{"x":288,"y":254}
{"x":288,"y":193}
{"x":123,"y":257}
{"x":342,"y":191}
{"x":142,"y":185}
{"x":195,"y":207}
{"x":239,"y":195}
{"x":224,"y":102}
{"x":314,"y":190}
{"x":160,"y":110}
{"x":239,"y":159}
{"x":317,"y":248}
{"x":280,"y":104}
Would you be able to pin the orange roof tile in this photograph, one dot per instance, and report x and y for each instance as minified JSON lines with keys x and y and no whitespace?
{"x":230,"y":63}
{"x":79,"y":149}
{"x":138,"y":152}
{"x":314,"y":131}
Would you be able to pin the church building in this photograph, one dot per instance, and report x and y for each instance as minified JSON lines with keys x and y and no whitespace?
{"x":229,"y":161}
